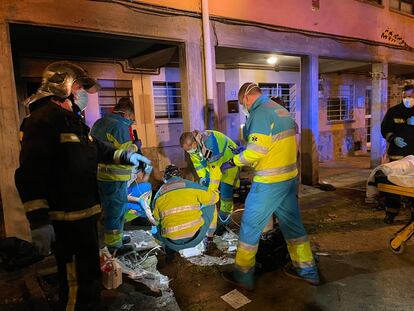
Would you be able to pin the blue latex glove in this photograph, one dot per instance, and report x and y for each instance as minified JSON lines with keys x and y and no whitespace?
{"x":410,"y":121}
{"x":226,"y":165}
{"x":135,"y":158}
{"x":148,"y":169}
{"x":240,"y":148}
{"x":204,"y":181}
{"x":399,"y":142}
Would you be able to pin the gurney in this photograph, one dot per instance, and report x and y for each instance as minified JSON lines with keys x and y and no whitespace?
{"x":397,"y":242}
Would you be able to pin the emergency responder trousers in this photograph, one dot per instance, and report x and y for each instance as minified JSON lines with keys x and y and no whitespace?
{"x":77,"y":257}
{"x":114,"y":201}
{"x":226,"y":202}
{"x":209,"y":214}
{"x":263,"y":200}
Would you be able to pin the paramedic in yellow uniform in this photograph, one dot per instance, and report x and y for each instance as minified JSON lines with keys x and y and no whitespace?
{"x":271,"y":151}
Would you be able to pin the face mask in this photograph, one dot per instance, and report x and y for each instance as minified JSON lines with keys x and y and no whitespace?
{"x":408,"y":102}
{"x":81,"y":99}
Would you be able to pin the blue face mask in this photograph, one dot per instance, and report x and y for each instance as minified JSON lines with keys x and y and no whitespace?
{"x":81,"y":99}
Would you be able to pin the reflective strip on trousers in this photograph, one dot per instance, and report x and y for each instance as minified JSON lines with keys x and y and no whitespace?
{"x":276,"y":171}
{"x":180,"y":209}
{"x":35,"y":205}
{"x":300,"y":240}
{"x":113,"y":170}
{"x":257,"y":148}
{"x":182,"y":227}
{"x":76,"y":215}
{"x":395,"y":157}
{"x":248,"y":247}
{"x":283,"y":135}
{"x":72,"y":284}
{"x":69,"y":138}
{"x":303,"y":264}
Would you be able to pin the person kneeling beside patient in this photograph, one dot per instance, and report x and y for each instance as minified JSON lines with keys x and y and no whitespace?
{"x":185,"y":211}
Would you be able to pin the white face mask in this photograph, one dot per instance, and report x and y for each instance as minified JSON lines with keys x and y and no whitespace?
{"x":81,"y":99}
{"x":192,"y":150}
{"x":408,"y":102}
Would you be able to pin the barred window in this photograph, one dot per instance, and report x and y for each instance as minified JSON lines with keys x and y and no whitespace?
{"x":340,"y":104}
{"x":111,"y":91}
{"x":167,"y":101}
{"x":406,"y":6}
{"x":285,"y":91}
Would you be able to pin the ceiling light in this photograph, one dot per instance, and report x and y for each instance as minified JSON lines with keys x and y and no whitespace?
{"x":271,"y":60}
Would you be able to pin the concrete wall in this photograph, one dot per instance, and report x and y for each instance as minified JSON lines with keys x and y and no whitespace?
{"x":337,"y":138}
{"x":104,"y":18}
{"x":333,"y":16}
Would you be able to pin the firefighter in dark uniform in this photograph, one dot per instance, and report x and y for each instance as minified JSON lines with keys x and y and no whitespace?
{"x":57,"y":182}
{"x":398,"y":129}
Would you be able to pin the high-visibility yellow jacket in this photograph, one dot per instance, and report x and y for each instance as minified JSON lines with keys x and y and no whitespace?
{"x":220,"y":145}
{"x":114,"y":129}
{"x":271,"y":147}
{"x":177,"y":207}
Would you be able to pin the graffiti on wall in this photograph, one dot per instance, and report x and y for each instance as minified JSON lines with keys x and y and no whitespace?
{"x":393,"y":37}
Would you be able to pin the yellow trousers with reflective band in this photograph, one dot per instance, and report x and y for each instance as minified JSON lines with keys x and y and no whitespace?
{"x":263,"y":200}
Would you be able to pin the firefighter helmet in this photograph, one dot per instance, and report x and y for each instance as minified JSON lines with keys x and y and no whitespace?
{"x":58,"y":78}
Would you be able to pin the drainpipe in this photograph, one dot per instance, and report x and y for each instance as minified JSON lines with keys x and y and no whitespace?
{"x":208,"y":69}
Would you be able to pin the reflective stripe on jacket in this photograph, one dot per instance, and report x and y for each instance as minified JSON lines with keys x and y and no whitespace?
{"x":114,"y":129}
{"x":177,"y":207}
{"x":271,"y":148}
{"x":220,"y":145}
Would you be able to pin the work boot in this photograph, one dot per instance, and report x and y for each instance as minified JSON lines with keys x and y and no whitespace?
{"x":311,"y":278}
{"x":239,"y":278}
{"x":126,"y":239}
{"x":389,"y":218}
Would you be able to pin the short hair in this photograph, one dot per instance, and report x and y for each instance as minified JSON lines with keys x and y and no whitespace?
{"x":409,"y":87}
{"x":249,"y":88}
{"x":124,"y":105}
{"x":186,"y":137}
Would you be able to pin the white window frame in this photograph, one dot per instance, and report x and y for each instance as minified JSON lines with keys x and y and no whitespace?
{"x":344,"y":112}
{"x":116,"y":90}
{"x":166,"y":103}
{"x":287,"y":94}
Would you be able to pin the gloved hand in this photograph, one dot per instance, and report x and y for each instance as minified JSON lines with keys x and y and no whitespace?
{"x":227,"y":165}
{"x":204,"y":181}
{"x":148,"y":169}
{"x":240,"y":148}
{"x":399,"y":142}
{"x":410,"y":121}
{"x":43,"y":238}
{"x":135,"y":158}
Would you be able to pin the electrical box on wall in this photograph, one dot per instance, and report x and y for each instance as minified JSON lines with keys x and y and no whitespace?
{"x":233,"y":106}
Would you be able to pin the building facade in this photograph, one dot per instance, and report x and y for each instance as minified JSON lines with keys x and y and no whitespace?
{"x":339,"y":67}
